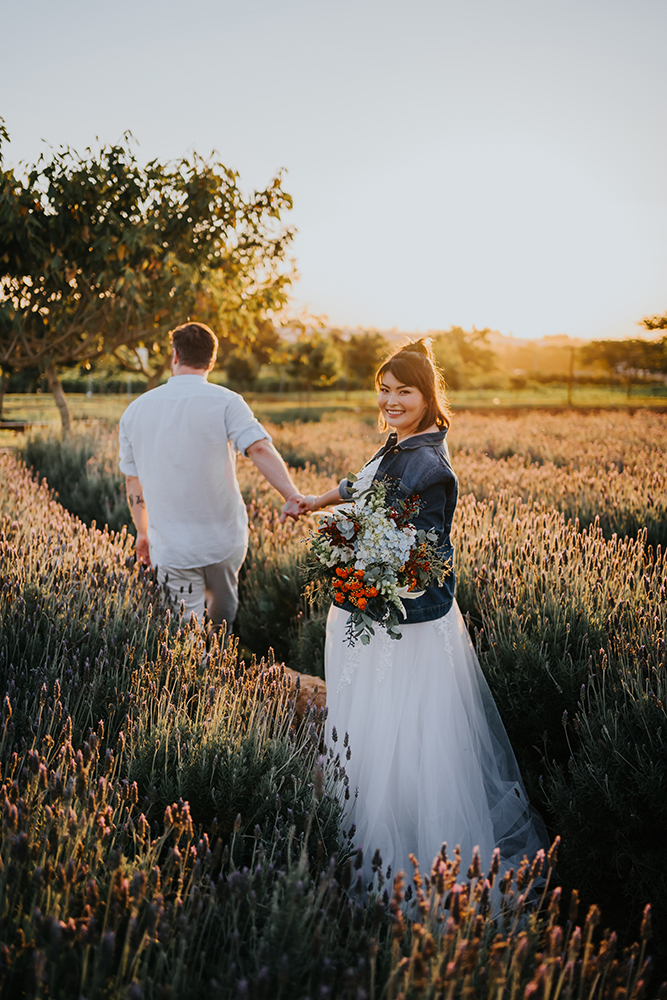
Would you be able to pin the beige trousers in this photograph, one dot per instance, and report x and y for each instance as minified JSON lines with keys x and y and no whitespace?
{"x":215,"y":587}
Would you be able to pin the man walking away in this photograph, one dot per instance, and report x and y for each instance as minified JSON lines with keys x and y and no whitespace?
{"x":178,"y":447}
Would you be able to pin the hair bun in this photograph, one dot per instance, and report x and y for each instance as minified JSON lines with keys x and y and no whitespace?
{"x":421,"y":346}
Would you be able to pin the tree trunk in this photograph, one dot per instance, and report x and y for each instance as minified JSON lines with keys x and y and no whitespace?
{"x":55,"y":385}
{"x":156,"y":376}
{"x":3,"y":383}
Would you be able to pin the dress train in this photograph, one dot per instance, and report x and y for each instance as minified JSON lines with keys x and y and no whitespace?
{"x":429,"y":753}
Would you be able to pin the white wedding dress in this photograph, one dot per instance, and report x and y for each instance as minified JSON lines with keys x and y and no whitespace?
{"x":430,"y":757}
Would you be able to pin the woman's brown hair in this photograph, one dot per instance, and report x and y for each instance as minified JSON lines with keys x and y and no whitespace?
{"x":414,"y":364}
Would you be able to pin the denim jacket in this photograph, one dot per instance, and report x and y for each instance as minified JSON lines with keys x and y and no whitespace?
{"x":421,"y":465}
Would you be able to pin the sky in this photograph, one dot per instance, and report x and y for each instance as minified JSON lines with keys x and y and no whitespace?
{"x":496,"y":163}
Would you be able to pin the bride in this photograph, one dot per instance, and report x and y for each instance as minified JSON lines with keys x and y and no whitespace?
{"x":430,"y":757}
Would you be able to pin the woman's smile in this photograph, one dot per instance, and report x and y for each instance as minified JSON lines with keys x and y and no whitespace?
{"x":402,"y":406}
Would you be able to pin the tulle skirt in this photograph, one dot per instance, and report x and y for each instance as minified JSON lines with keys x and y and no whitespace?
{"x":429,"y":753}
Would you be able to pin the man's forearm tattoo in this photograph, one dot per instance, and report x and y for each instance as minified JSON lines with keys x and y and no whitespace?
{"x":138,"y":499}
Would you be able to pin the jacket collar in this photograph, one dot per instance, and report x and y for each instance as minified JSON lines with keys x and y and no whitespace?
{"x":417,"y":441}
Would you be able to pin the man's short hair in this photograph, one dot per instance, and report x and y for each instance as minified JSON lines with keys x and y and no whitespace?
{"x":196,"y":345}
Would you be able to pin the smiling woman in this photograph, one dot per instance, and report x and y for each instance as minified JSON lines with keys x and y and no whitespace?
{"x":402,"y":406}
{"x":411,"y":392}
{"x":429,"y":755}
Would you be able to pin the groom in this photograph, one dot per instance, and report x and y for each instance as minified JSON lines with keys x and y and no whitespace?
{"x":178,"y":447}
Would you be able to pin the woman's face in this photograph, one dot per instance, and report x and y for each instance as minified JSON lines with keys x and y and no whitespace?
{"x":402,"y":406}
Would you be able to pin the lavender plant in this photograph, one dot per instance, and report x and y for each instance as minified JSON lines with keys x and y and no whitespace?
{"x":83,"y":471}
{"x":572,"y":638}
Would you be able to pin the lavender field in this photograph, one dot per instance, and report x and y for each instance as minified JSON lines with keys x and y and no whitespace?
{"x":173,"y":829}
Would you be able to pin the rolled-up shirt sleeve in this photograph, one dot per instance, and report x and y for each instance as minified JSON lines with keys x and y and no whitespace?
{"x":127,"y":464}
{"x":243,"y":427}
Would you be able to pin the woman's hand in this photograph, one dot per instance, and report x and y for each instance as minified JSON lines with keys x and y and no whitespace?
{"x":308,"y":504}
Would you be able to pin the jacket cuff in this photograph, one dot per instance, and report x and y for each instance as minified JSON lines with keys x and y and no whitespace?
{"x":343,"y":489}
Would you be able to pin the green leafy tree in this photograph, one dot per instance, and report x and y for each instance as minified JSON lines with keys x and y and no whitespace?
{"x":313,"y":360}
{"x":463,"y":354}
{"x":242,"y":362}
{"x":362,"y":355}
{"x":627,"y":359}
{"x":242,"y":367}
{"x":101,"y":255}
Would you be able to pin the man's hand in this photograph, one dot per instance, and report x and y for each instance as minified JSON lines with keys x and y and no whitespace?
{"x":143,"y":552}
{"x":292,"y":508}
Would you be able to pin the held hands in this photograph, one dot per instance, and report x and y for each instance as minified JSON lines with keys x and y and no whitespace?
{"x":292,"y":508}
{"x":310,"y":504}
{"x":298,"y":505}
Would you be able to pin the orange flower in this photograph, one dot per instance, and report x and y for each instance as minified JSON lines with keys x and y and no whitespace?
{"x":338,"y":598}
{"x":359,"y":572}
{"x":344,"y":573}
{"x":372,"y":591}
{"x":362,"y":603}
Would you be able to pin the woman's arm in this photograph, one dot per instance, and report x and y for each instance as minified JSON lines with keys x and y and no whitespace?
{"x":328,"y":499}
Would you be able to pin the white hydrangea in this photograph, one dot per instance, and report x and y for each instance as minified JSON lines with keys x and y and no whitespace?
{"x":377,"y":541}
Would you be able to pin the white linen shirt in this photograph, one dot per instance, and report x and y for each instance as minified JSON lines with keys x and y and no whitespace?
{"x":181,"y":440}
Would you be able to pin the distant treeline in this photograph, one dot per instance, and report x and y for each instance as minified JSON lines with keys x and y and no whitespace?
{"x":309,"y":359}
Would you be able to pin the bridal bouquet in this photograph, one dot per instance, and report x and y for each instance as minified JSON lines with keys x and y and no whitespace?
{"x":374,"y":558}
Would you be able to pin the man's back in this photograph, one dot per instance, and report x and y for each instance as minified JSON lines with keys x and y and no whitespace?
{"x":181,"y":440}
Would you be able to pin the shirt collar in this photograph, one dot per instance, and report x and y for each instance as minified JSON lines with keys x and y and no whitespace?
{"x":176,"y":379}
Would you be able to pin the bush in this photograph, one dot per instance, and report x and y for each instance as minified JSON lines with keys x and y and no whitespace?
{"x":98,"y":905}
{"x":83,"y":471}
{"x":223,"y":736}
{"x":111,"y":709}
{"x":75,"y":613}
{"x":562,"y":612}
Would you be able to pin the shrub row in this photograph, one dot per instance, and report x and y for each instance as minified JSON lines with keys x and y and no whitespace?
{"x":601,"y":465}
{"x":572,"y":640}
{"x":83,"y":471}
{"x":169,"y":829}
{"x":571,"y":622}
